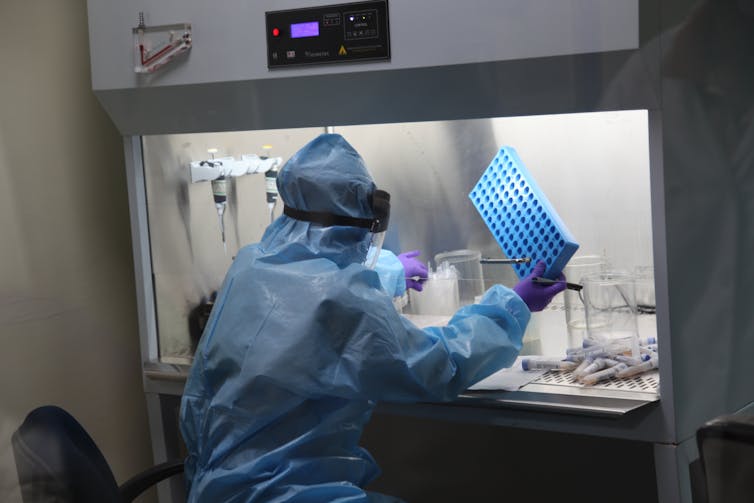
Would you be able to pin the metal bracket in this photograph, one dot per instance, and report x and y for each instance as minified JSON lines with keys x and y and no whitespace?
{"x":155,"y":46}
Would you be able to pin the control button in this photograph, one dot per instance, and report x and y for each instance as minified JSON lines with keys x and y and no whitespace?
{"x":290,"y":54}
{"x":276,"y":32}
{"x":332,"y":19}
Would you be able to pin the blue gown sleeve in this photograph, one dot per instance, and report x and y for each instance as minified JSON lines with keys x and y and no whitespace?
{"x":391,"y":273}
{"x":393,"y":360}
{"x":344,"y":338}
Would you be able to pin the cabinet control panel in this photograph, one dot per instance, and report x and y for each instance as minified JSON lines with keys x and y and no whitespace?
{"x":331,"y":34}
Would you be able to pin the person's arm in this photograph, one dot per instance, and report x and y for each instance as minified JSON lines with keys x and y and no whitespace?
{"x":394,"y":360}
{"x":401,"y":272}
{"x":416,"y":272}
{"x":391,"y":272}
{"x":345,"y":339}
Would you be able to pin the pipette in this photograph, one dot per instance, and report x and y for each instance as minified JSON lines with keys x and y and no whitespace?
{"x":220,"y":195}
{"x":270,"y":183}
{"x":546,"y":281}
{"x":521,"y":260}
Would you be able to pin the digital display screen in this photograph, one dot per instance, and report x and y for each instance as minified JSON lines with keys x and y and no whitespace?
{"x":301,"y":30}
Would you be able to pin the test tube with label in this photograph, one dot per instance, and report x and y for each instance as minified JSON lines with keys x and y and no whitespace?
{"x":648,"y":365}
{"x":604,"y":374}
{"x":546,"y":364}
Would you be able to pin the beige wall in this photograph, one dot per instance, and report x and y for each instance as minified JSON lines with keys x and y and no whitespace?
{"x":68,"y":328}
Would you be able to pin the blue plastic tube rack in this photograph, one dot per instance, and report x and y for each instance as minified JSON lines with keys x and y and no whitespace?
{"x":520,"y":217}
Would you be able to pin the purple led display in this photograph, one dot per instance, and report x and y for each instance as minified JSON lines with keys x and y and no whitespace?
{"x":301,"y":30}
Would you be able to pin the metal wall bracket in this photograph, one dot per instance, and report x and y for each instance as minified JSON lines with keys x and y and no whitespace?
{"x":156,"y":46}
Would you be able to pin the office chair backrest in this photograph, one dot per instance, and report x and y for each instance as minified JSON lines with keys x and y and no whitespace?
{"x":726,"y":448}
{"x":58,"y":461}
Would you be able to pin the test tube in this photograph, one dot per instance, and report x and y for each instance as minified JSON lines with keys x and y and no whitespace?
{"x":576,"y":358}
{"x":596,"y":352}
{"x":579,"y":371}
{"x":603,"y":374}
{"x":599,"y":364}
{"x":582,"y":354}
{"x":579,"y":354}
{"x":220,"y":196}
{"x":607,"y":348}
{"x":631,"y":361}
{"x":546,"y":364}
{"x":652,"y":363}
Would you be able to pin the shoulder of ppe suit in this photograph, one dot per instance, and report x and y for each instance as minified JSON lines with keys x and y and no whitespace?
{"x":244,"y":257}
{"x":242,"y":263}
{"x":501,"y":296}
{"x":356,"y":288}
{"x":388,"y":257}
{"x":362,"y":277}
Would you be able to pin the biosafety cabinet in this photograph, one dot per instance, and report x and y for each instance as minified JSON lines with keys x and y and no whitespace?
{"x":633,"y":116}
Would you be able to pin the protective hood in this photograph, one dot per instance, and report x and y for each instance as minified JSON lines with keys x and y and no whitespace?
{"x":326,"y":175}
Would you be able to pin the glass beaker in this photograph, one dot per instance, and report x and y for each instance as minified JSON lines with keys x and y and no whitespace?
{"x":467,"y":264}
{"x":439,"y":296}
{"x":610,"y":302}
{"x":575,"y":314}
{"x":646,"y":306}
{"x":645,"y":289}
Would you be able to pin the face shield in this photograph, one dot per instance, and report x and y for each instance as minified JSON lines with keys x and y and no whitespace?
{"x":377,"y":225}
{"x":381,"y":212}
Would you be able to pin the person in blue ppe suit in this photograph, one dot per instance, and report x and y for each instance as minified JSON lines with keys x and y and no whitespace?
{"x":303,"y":340}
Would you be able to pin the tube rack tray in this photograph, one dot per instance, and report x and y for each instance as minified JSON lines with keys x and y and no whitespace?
{"x":520,"y":217}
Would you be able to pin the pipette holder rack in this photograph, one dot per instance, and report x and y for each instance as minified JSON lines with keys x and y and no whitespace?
{"x":212,"y":169}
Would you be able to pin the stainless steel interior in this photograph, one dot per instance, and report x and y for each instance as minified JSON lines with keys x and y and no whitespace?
{"x":593,"y":167}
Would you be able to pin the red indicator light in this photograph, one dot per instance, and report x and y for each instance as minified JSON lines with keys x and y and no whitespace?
{"x":275,"y":32}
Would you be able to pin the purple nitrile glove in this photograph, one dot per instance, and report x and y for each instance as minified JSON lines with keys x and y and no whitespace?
{"x":413,"y":269}
{"x":536,"y":296}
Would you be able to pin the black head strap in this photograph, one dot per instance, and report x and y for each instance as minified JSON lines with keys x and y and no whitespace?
{"x":327,"y":219}
{"x":380,"y":207}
